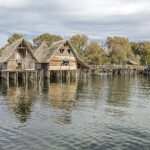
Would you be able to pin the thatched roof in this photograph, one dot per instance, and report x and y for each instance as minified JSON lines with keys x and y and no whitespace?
{"x":9,"y":50}
{"x":132,"y":62}
{"x":44,"y":53}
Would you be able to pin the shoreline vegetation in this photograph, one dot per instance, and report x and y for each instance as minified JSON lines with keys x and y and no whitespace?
{"x":117,"y":51}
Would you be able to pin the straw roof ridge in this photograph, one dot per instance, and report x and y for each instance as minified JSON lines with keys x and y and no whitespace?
{"x":77,"y":57}
{"x":44,"y":53}
{"x":56,"y":46}
{"x":9,"y":50}
{"x":41,"y":52}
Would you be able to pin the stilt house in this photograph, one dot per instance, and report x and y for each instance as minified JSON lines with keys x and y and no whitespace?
{"x":17,"y":56}
{"x":60,"y":56}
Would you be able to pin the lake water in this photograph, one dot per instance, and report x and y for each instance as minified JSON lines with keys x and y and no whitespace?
{"x":98,"y":113}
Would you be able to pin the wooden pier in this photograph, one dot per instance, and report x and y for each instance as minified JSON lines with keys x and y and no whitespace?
{"x":117,"y":69}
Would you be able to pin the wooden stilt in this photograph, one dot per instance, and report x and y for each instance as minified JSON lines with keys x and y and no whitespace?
{"x":7,"y":79}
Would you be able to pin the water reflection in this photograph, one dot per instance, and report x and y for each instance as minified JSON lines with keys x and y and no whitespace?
{"x":119,"y":88}
{"x":119,"y":91}
{"x":114,"y":91}
{"x":20,"y":98}
{"x":63,"y":95}
{"x":95,"y":113}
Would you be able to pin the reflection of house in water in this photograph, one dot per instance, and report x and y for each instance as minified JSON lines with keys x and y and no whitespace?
{"x":19,"y":100}
{"x":63,"y":95}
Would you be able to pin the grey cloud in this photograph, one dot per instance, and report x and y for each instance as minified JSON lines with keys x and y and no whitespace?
{"x":66,"y":17}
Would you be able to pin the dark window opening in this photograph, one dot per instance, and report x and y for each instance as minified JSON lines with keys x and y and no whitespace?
{"x":69,"y":51}
{"x":61,"y":50}
{"x":22,"y":52}
{"x":65,"y":44}
{"x":65,"y":63}
{"x":19,"y":65}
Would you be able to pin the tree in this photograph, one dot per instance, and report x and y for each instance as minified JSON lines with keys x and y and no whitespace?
{"x":145,"y":59}
{"x":119,"y":50}
{"x":11,"y":39}
{"x":14,"y":37}
{"x":79,"y":42}
{"x":93,"y":53}
{"x":141,"y":49}
{"x":46,"y":37}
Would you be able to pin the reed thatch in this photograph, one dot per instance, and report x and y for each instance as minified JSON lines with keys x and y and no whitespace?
{"x":10,"y":50}
{"x":131,"y":62}
{"x":44,"y":53}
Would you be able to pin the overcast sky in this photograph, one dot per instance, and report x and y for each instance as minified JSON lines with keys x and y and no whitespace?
{"x":96,"y":18}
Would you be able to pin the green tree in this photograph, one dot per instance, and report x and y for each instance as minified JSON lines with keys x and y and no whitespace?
{"x":14,"y":37}
{"x":46,"y":37}
{"x":145,"y":59}
{"x":79,"y":42}
{"x":93,"y":54}
{"x":141,"y":49}
{"x":119,"y":50}
{"x":11,"y":39}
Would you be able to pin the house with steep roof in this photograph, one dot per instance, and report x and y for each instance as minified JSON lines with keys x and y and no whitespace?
{"x":18,"y":56}
{"x":60,"y":56}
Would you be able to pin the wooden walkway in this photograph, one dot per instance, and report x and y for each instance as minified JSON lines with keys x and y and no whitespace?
{"x":117,"y":69}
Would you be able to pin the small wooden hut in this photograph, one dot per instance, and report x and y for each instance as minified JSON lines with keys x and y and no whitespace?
{"x":60,"y":56}
{"x":17,"y":58}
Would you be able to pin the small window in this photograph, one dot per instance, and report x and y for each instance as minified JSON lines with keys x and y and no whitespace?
{"x":65,"y":63}
{"x":69,"y":51}
{"x":65,"y":44}
{"x":61,"y":50}
{"x":19,"y":65}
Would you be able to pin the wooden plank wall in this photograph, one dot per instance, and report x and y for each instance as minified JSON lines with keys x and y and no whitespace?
{"x":58,"y":58}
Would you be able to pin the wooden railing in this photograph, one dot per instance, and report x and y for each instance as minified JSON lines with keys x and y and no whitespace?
{"x":108,"y":66}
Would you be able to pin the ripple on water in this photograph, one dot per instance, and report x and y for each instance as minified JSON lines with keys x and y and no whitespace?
{"x":99,"y":113}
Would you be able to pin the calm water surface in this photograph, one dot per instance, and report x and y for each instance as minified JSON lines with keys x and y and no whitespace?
{"x":99,"y":113}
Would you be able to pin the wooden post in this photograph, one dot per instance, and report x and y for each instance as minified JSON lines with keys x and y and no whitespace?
{"x":23,"y":77}
{"x":49,"y":75}
{"x":7,"y":78}
{"x":16,"y":78}
{"x":76,"y":75}
{"x":36,"y":76}
{"x":68,"y":76}
{"x":26,"y":76}
{"x":61,"y":74}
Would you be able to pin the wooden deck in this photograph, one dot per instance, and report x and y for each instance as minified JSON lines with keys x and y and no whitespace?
{"x":117,"y":69}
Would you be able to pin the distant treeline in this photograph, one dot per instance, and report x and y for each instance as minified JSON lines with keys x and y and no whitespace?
{"x":119,"y":50}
